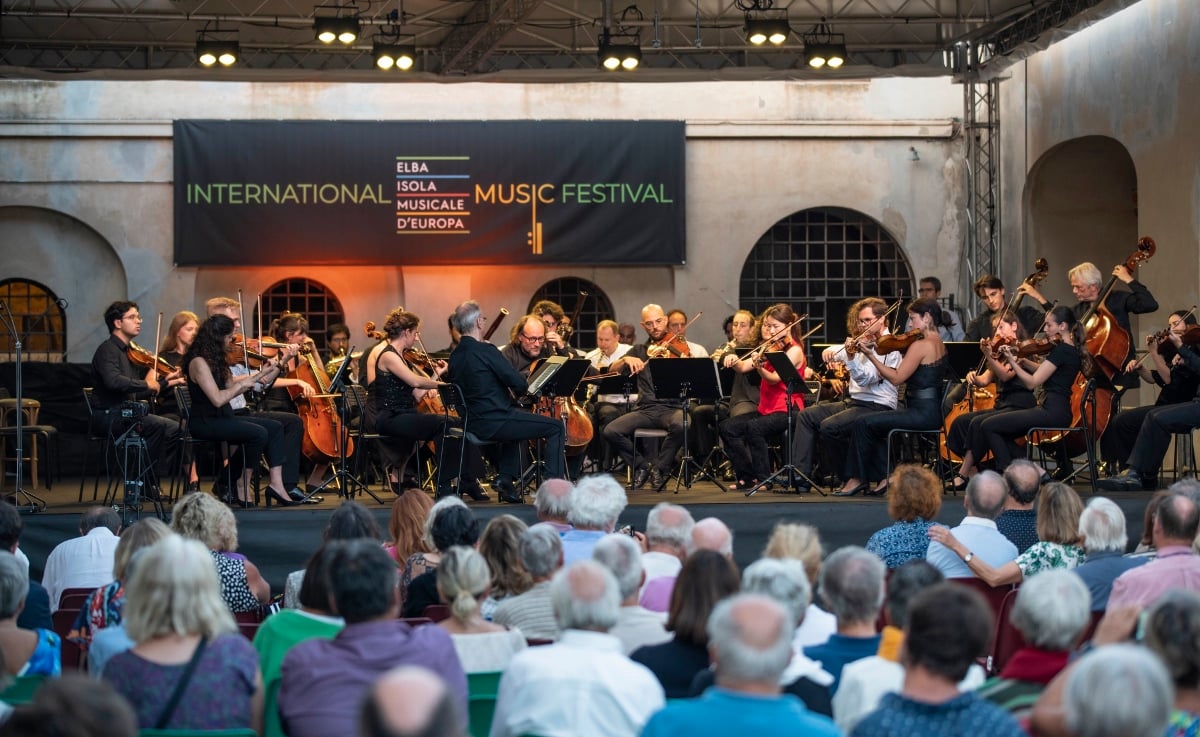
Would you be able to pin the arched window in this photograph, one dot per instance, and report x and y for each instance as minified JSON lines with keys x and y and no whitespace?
{"x":310,"y":298}
{"x":596,"y":306}
{"x":820,"y":261}
{"x":40,"y":320}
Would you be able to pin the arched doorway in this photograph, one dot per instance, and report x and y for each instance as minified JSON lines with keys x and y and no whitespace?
{"x":566,"y":292}
{"x":319,"y":305}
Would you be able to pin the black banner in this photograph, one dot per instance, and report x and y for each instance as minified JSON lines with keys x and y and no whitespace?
{"x":435,"y":193}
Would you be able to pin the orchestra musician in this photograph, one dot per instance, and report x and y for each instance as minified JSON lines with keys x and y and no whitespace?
{"x":1179,"y":382}
{"x":990,"y":291}
{"x":746,"y":435}
{"x":291,"y":328}
{"x":116,"y":380}
{"x":530,"y":343}
{"x":606,"y":407}
{"x":395,"y":388}
{"x":677,"y":322}
{"x":552,"y":316}
{"x":930,"y":287}
{"x":923,"y":372}
{"x":211,"y":385}
{"x":744,"y":396}
{"x":454,"y":336}
{"x":1055,"y":374}
{"x":337,"y":340}
{"x":180,"y":334}
{"x":627,"y":333}
{"x":649,"y":411}
{"x":484,"y":377}
{"x":965,"y":436}
{"x":868,"y":391}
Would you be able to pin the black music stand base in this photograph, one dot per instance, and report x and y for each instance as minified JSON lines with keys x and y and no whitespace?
{"x":787,"y":372}
{"x":347,"y":483}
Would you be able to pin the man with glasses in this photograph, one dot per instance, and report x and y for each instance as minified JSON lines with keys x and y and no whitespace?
{"x":530,"y":343}
{"x":116,"y":380}
{"x":930,"y":287}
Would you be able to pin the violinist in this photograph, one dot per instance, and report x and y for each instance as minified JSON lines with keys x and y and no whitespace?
{"x":649,"y":411}
{"x":1180,"y":382}
{"x":923,"y":372}
{"x":395,"y":387}
{"x":990,"y":291}
{"x":677,"y":322}
{"x":965,"y":436}
{"x":485,"y":379}
{"x":116,"y":380}
{"x":212,"y":385}
{"x":868,"y":391}
{"x":1055,"y":374}
{"x":180,"y":335}
{"x":743,"y":397}
{"x":746,"y":435}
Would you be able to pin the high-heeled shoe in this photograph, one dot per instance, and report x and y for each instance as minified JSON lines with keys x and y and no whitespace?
{"x":280,"y":498}
{"x":234,"y":501}
{"x":862,"y":486}
{"x":881,"y":491}
{"x":954,"y":482}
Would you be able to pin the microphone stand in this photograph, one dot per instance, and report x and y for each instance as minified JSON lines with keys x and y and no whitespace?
{"x":36,"y":503}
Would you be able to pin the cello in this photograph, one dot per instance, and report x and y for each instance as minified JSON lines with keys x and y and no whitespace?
{"x":323,"y":436}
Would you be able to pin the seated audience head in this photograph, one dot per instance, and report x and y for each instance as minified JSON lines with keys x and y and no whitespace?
{"x":712,"y":534}
{"x":553,"y":500}
{"x":100,"y":517}
{"x":453,"y":525}
{"x":669,"y":529}
{"x":1053,"y":609}
{"x":541,"y":551}
{"x":1150,"y":516}
{"x":1189,"y":486}
{"x":585,"y":597}
{"x":410,"y":701}
{"x":1173,"y":632}
{"x":351,"y":521}
{"x":706,"y":578}
{"x":985,"y":495}
{"x":800,"y":541}
{"x":141,"y":534}
{"x":73,"y":705}
{"x":406,"y":524}
{"x":500,"y":546}
{"x":904,"y":584}
{"x":852,"y":585}
{"x":1058,"y":511}
{"x":782,"y":580}
{"x":10,"y":527}
{"x":201,"y":517}
{"x":315,"y":595}
{"x":1176,"y":521}
{"x":750,"y":642}
{"x":363,"y":581}
{"x":914,"y":492}
{"x":1118,"y":691}
{"x":623,"y":558}
{"x":14,"y":585}
{"x":442,"y":504}
{"x":939,"y":610}
{"x":596,"y":502}
{"x":174,"y":591}
{"x":1102,"y":526}
{"x":1024,"y":479}
{"x":463,"y":582}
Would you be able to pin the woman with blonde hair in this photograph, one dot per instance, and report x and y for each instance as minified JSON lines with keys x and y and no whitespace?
{"x":463,"y":582}
{"x":187,"y":643}
{"x":500,"y":546}
{"x":802,"y":542}
{"x":202,"y":518}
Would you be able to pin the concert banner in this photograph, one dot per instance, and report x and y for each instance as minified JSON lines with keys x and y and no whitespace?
{"x":259,"y":192}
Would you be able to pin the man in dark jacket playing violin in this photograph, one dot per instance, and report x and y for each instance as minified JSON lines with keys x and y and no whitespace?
{"x":117,"y":380}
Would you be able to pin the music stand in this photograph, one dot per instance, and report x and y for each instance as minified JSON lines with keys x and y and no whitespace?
{"x":35,"y":503}
{"x":557,"y":376}
{"x":689,"y":378}
{"x":793,"y":384}
{"x":347,"y":482}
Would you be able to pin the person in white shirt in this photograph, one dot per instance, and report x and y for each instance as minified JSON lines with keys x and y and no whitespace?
{"x":84,"y":562}
{"x":607,"y":407}
{"x":636,"y":626}
{"x":984,"y":502}
{"x":668,"y":530}
{"x":582,"y":685}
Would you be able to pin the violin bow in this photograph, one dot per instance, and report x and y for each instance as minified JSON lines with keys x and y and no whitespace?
{"x":762,"y":347}
{"x":245,"y":343}
{"x":157,"y":338}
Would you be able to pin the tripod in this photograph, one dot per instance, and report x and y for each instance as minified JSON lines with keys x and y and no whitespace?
{"x":347,"y":482}
{"x":35,"y":503}
{"x":791,"y":380}
{"x":137,"y":472}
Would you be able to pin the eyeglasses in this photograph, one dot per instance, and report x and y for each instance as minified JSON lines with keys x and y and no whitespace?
{"x":532,"y":339}
{"x":134,"y":316}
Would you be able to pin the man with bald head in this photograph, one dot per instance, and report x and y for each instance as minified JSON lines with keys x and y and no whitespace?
{"x":1018,"y":522}
{"x":1175,"y":566}
{"x":750,"y":645}
{"x":608,"y":694}
{"x":984,"y":501}
{"x":410,"y":701}
{"x":709,"y":533}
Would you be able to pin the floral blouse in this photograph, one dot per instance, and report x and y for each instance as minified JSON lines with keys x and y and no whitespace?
{"x":1046,"y":556}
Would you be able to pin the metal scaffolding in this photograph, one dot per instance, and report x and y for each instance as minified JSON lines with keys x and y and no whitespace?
{"x":981,"y":129}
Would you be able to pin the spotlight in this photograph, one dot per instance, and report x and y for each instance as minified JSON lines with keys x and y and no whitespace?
{"x":217,"y":47}
{"x":394,"y":56}
{"x":340,"y":28}
{"x":620,"y":51}
{"x":767,"y":26}
{"x":823,"y":48}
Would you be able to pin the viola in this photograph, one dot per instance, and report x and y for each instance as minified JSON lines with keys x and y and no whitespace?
{"x":993,"y":346}
{"x":249,"y":349}
{"x":139,"y":356}
{"x":672,"y":345}
{"x":898,"y":342}
{"x":1035,"y":347}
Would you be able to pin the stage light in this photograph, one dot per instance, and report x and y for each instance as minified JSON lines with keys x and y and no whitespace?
{"x":823,"y":48}
{"x":217,"y":47}
{"x":339,"y":28}
{"x":394,"y":56}
{"x":767,"y":26}
{"x":620,"y":51}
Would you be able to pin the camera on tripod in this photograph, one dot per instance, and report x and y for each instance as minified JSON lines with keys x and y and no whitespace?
{"x":133,"y":410}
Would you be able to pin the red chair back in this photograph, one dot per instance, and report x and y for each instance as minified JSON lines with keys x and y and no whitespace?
{"x":1007,"y":639}
{"x":63,"y":620}
{"x":436,"y":612}
{"x":77,"y":595}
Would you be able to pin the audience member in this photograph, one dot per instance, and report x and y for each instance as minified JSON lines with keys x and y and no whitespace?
{"x":582,"y":685}
{"x":454,"y":525}
{"x":852,"y":587}
{"x":532,"y":612}
{"x":72,"y":706}
{"x":914,"y":498}
{"x":802,"y":542}
{"x":373,"y":641}
{"x":709,"y":533}
{"x":1173,"y":633}
{"x":1145,"y":546}
{"x":282,"y":631}
{"x":426,"y":560}
{"x":349,"y":521}
{"x":1118,"y":691}
{"x":984,"y":501}
{"x":36,"y":614}
{"x":186,"y":643}
{"x":1059,"y":508}
{"x":26,"y":652}
{"x":463,"y":581}
{"x":750,"y":638}
{"x":500,"y":546}
{"x":405,"y":526}
{"x":201,"y":517}
{"x":410,"y":701}
{"x":1102,"y":534}
{"x":706,"y":578}
{"x":865,"y":681}
{"x":636,"y":626}
{"x":1018,"y":521}
{"x":596,"y":503}
{"x":84,"y":562}
{"x":1176,"y":565}
{"x":552,"y":501}
{"x":948,"y":628}
{"x":668,"y":530}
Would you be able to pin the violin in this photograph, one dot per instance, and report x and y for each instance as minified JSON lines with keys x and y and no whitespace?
{"x":1034,"y":347}
{"x":898,"y":341}
{"x":139,"y":356}
{"x":673,"y":345}
{"x":993,"y":345}
{"x":250,"y":349}
{"x":852,"y":344}
{"x":1166,"y":348}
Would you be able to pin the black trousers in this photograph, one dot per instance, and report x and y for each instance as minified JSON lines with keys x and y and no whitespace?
{"x":1155,"y":435}
{"x":253,"y":436}
{"x":832,"y":422}
{"x":1000,"y":431}
{"x":519,"y":427}
{"x":745,"y":438}
{"x":619,"y":434}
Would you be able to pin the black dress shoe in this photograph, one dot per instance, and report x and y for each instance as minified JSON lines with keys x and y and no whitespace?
{"x":640,"y":478}
{"x":851,"y":491}
{"x":507,"y":492}
{"x":657,"y":479}
{"x":881,"y":491}
{"x":473,"y":489}
{"x":1128,"y":481}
